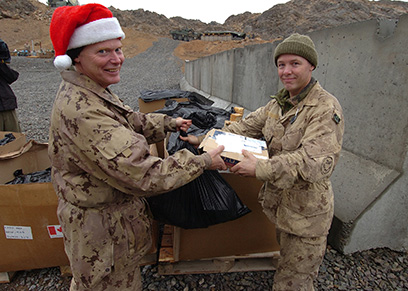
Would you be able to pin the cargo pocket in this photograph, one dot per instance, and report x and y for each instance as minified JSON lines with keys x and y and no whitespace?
{"x":114,"y":142}
{"x":292,"y":140}
{"x":138,"y":232}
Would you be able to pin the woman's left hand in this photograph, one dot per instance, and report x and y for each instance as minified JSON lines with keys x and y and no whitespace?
{"x":247,"y":167}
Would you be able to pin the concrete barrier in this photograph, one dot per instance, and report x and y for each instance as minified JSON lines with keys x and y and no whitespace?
{"x":365,"y":65}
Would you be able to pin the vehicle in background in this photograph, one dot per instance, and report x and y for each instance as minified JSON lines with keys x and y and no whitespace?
{"x":185,"y":34}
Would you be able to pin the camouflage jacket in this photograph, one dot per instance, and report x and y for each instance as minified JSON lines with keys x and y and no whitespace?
{"x":304,"y":146}
{"x":102,"y":169}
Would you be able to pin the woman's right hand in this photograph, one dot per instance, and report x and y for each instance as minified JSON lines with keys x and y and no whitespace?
{"x":217,"y":163}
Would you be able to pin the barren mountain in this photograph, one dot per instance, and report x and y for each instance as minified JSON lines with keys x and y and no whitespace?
{"x":27,"y":22}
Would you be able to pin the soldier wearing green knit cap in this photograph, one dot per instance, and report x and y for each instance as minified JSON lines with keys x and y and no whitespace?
{"x":303,"y":127}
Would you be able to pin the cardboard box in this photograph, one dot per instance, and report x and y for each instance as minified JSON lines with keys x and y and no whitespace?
{"x":29,"y":228}
{"x":14,"y":145}
{"x":146,"y":107}
{"x":30,"y":234}
{"x":251,"y":234}
{"x":234,"y":144}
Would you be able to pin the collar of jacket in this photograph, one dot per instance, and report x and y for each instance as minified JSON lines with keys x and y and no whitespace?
{"x":85,"y":82}
{"x":284,"y":100}
{"x":310,"y":100}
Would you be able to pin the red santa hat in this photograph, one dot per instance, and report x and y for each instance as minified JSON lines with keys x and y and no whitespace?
{"x":77,"y":26}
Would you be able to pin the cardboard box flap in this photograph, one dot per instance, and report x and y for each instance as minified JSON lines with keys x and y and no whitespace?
{"x":234,"y":144}
{"x":19,"y":141}
{"x":29,"y":146}
{"x":30,"y":158}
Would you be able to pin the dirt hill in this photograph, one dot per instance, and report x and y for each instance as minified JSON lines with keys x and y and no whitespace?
{"x":25,"y":22}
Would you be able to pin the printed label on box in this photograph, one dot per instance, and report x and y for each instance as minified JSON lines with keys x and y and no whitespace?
{"x":236,"y":143}
{"x":18,"y":232}
{"x":55,"y":231}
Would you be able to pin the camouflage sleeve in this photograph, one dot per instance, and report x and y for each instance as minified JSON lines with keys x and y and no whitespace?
{"x":314,"y":154}
{"x":154,"y":126}
{"x":120,"y":157}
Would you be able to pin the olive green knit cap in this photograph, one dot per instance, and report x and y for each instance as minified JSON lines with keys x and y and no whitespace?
{"x":297,"y":44}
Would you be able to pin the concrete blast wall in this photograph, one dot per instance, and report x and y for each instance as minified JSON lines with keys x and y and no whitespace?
{"x":365,"y":65}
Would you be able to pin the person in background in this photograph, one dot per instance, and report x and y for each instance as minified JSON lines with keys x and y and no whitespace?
{"x":102,"y":168}
{"x":8,"y":100}
{"x":303,"y":127}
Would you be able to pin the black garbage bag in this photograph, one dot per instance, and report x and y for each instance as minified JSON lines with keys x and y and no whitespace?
{"x":35,"y":177}
{"x":9,"y":137}
{"x":204,"y":118}
{"x":205,"y":201}
{"x":153,"y":95}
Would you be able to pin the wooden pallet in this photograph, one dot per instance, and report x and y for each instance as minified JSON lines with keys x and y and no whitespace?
{"x":169,"y":263}
{"x":257,"y":262}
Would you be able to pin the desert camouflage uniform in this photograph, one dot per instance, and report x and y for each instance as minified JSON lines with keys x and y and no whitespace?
{"x":304,"y":146}
{"x":101,"y":170}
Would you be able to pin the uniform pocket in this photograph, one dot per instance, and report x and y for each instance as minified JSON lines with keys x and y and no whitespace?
{"x":273,"y":132}
{"x":138,"y":232}
{"x":132,"y":232}
{"x":114,"y":142}
{"x":308,"y":202}
{"x":292,"y":140}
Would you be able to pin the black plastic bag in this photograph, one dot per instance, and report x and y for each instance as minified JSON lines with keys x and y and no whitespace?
{"x":205,"y":201}
{"x":150,"y":95}
{"x":9,"y":137}
{"x":204,"y":117}
{"x":35,"y":177}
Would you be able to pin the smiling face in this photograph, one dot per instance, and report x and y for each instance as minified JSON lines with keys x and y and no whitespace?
{"x":295,"y":72}
{"x":101,"y":62}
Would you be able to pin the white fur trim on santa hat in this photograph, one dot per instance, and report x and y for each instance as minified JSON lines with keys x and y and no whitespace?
{"x":63,"y":62}
{"x":96,"y":31}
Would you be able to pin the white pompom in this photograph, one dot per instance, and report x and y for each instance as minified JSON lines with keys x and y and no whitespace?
{"x":62,"y":62}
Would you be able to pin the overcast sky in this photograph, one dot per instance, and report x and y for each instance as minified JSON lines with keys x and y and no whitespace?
{"x":204,"y":10}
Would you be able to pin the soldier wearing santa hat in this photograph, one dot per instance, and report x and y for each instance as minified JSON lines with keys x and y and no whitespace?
{"x":100,"y":155}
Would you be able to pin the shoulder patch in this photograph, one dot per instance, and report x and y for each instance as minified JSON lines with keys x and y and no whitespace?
{"x":327,"y":165}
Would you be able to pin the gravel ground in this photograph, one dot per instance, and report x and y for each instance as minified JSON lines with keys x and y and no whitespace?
{"x":157,"y":69}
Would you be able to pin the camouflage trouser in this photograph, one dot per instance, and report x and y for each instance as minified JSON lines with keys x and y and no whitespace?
{"x":129,"y":279}
{"x":299,"y":262}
